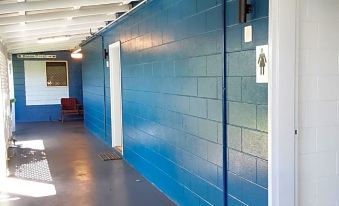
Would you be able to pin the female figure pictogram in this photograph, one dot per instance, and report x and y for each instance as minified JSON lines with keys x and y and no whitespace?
{"x":262,"y":62}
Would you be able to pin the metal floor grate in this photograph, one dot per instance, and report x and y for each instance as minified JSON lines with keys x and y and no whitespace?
{"x":109,"y":156}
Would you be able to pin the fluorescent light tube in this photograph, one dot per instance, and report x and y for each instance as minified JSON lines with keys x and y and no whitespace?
{"x":53,"y":39}
{"x":76,"y":55}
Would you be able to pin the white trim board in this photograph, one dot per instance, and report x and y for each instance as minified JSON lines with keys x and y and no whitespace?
{"x":116,"y":98}
{"x":281,"y":102}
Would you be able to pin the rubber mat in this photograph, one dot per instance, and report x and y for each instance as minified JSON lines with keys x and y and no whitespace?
{"x":109,"y":156}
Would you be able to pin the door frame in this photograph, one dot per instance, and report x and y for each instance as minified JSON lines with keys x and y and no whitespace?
{"x":116,"y":94}
{"x":282,"y":98}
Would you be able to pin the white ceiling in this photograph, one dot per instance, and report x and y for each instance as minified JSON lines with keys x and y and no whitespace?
{"x":23,"y":22}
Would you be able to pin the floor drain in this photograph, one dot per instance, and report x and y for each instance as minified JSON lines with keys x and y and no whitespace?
{"x":109,"y":156}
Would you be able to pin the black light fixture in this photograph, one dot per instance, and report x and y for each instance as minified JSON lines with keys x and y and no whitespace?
{"x":106,"y":54}
{"x":244,"y":9}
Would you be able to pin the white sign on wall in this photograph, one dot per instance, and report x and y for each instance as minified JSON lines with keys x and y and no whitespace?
{"x":36,"y":56}
{"x":262,"y":62}
{"x":248,"y":34}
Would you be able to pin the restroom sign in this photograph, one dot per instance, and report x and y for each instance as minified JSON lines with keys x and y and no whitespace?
{"x":262,"y":68}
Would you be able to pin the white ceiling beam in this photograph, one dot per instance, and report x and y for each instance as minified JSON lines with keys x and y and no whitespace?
{"x":41,"y":49}
{"x":69,"y":44}
{"x":45,"y":47}
{"x":52,"y":31}
{"x":25,"y":39}
{"x":82,"y":32}
{"x":44,"y":5}
{"x":103,"y":9}
{"x":35,"y":43}
{"x":56,"y":23}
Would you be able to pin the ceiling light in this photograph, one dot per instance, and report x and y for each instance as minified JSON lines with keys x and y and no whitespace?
{"x":69,"y":18}
{"x":76,"y":55}
{"x":76,"y":7}
{"x":22,"y":23}
{"x":22,"y":12}
{"x":53,"y":39}
{"x":21,"y":1}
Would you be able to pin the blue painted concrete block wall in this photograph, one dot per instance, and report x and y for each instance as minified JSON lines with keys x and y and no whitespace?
{"x":93,"y":88}
{"x":34,"y":113}
{"x":246,"y":109}
{"x":172,"y":67}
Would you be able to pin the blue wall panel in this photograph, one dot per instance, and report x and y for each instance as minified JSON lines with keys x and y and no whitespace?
{"x":93,"y":88}
{"x":246,"y":109}
{"x":172,"y":73}
{"x":34,"y":113}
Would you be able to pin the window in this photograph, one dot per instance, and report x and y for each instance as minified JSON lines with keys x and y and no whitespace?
{"x":39,"y":82}
{"x":56,"y":73}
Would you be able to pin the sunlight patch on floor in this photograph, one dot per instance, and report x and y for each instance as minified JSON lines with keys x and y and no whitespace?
{"x":27,"y":188}
{"x":32,"y":144}
{"x":31,"y":161}
{"x":35,"y":170}
{"x":7,"y":198}
{"x":29,"y":172}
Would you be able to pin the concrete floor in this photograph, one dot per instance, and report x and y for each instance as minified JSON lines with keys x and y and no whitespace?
{"x":69,"y":163}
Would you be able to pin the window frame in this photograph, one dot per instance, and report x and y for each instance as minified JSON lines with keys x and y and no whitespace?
{"x":67,"y":78}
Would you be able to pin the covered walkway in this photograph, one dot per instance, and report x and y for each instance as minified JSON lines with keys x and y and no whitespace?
{"x":59,"y":165}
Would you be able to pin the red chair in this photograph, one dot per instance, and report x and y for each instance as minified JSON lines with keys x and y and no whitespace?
{"x":70,"y":106}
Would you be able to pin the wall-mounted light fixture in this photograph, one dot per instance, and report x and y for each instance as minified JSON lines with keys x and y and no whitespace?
{"x":76,"y":54}
{"x":106,"y":54}
{"x":244,"y":9}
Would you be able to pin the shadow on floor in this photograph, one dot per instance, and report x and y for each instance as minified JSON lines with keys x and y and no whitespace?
{"x":30,"y":164}
{"x":57,"y":164}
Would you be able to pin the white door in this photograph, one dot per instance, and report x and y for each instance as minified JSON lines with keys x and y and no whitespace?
{"x":115,"y":88}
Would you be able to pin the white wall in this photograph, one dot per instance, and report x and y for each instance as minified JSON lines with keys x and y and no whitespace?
{"x":37,"y":91}
{"x":5,"y":117}
{"x":318,"y":157}
{"x":11,"y":92}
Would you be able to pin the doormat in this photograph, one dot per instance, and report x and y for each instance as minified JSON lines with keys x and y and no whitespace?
{"x":109,"y":156}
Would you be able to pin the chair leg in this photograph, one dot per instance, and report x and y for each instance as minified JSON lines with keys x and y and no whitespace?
{"x":62,"y":118}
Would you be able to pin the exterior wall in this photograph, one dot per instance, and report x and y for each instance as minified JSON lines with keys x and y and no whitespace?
{"x":94,"y":89}
{"x":34,"y":113}
{"x":318,"y":103}
{"x":5,"y":117}
{"x":172,"y":68}
{"x":246,"y":109}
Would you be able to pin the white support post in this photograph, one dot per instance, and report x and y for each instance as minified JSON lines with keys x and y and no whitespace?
{"x":281,"y":106}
